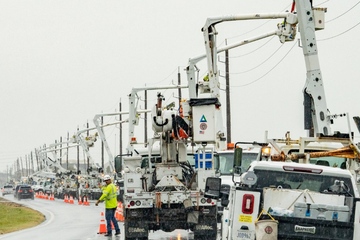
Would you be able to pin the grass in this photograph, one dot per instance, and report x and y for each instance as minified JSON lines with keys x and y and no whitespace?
{"x":15,"y":217}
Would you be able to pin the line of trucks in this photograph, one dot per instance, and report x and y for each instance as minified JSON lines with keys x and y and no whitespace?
{"x":286,"y":194}
{"x":186,"y":177}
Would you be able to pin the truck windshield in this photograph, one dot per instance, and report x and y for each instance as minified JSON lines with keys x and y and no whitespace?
{"x":225,"y":161}
{"x":296,"y":180}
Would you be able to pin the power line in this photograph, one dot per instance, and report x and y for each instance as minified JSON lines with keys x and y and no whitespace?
{"x":261,"y":62}
{"x":254,"y":49}
{"x":343,"y":13}
{"x":324,"y":39}
{"x":247,"y":84}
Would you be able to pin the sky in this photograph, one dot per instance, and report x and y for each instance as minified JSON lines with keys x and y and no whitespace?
{"x":63,"y":62}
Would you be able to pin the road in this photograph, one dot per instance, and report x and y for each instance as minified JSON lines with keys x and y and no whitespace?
{"x":74,"y":222}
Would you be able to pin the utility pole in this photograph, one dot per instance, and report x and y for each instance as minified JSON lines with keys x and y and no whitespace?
{"x":120,"y":131}
{"x":87,"y":158}
{"x":179,"y":89}
{"x":145,"y":120}
{"x":67,"y":152}
{"x":60,"y":160}
{"x":102,"y":144}
{"x":22,"y":167}
{"x":228,"y":108}
{"x":55,"y":159}
{"x":32,"y":163}
{"x":78,"y":156}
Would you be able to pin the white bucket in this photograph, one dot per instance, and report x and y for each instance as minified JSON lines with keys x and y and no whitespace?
{"x":266,"y":229}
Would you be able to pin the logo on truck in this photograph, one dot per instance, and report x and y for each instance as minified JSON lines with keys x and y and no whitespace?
{"x":303,"y":229}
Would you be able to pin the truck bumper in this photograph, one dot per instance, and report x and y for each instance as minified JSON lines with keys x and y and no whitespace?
{"x":302,"y":228}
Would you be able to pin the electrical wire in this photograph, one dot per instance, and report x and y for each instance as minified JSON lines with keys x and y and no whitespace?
{"x":261,"y":62}
{"x":343,"y":13}
{"x":236,"y":36}
{"x":293,"y":47}
{"x":242,"y":55}
{"x":155,"y":83}
{"x":325,"y":39}
{"x":247,"y":84}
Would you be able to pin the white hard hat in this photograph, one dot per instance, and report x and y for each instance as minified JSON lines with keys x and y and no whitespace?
{"x":106,"y":177}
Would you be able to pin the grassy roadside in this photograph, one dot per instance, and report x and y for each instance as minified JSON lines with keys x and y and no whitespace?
{"x":14,"y":217}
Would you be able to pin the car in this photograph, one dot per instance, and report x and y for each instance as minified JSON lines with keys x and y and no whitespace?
{"x":23,"y":191}
{"x":7,"y":189}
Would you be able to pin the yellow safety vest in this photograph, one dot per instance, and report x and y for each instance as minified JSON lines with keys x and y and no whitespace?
{"x":109,"y":196}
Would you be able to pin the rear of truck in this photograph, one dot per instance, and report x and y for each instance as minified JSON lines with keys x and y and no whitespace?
{"x":308,"y":202}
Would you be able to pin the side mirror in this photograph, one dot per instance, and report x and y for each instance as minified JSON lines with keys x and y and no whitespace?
{"x":212,"y":187}
{"x":224,"y":202}
{"x":225,"y":192}
{"x":237,"y":161}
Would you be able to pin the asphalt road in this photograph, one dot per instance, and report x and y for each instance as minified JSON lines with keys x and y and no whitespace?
{"x":66,"y":221}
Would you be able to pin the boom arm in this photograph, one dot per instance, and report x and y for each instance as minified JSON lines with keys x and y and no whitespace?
{"x":314,"y":93}
{"x":210,"y":33}
{"x":134,"y":112}
{"x":316,"y":112}
{"x":102,"y":134}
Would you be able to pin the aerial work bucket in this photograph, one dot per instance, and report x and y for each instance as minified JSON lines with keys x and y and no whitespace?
{"x":266,"y":229}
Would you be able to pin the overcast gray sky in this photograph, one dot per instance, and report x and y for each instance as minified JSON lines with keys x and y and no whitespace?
{"x":64,"y":61}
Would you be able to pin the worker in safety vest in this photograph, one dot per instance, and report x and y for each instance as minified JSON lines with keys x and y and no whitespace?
{"x":110,"y":197}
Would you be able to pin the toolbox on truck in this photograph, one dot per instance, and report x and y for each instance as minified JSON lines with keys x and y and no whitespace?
{"x":322,"y":211}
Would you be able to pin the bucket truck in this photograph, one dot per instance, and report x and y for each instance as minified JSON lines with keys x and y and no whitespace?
{"x":250,"y":203}
{"x":53,"y":177}
{"x":161,"y":189}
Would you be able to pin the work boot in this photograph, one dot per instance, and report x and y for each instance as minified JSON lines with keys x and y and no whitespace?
{"x":117,"y":233}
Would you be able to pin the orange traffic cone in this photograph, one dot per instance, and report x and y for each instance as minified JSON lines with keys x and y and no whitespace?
{"x":52,"y":197}
{"x":86,"y":202}
{"x":71,"y":201}
{"x":102,"y":227}
{"x":79,"y":201}
{"x":66,"y":200}
{"x":119,"y":214}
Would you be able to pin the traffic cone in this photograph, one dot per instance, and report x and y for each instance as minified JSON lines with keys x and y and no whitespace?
{"x":86,"y":202}
{"x":66,"y":200}
{"x":119,"y":214}
{"x":79,"y":201}
{"x":102,"y":227}
{"x":52,"y":197}
{"x":71,"y":201}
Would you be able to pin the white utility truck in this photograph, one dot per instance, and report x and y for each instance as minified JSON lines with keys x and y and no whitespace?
{"x":166,"y":193}
{"x":304,"y":201}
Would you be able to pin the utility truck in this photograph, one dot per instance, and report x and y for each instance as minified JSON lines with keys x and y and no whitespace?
{"x":166,"y":193}
{"x":304,"y":201}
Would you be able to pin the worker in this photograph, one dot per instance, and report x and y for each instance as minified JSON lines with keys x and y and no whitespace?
{"x":110,"y":198}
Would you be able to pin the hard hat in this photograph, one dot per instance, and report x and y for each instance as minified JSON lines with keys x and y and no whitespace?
{"x":106,"y":177}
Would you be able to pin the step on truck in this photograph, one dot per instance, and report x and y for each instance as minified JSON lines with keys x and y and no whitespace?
{"x":300,"y":201}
